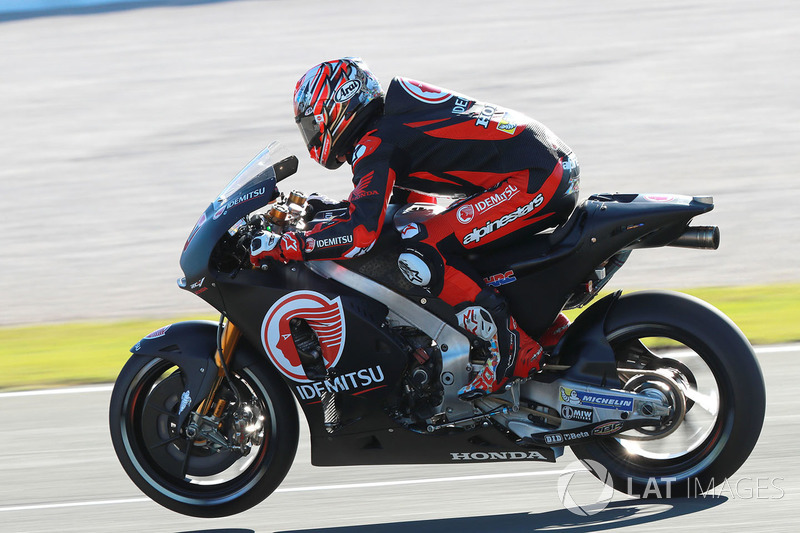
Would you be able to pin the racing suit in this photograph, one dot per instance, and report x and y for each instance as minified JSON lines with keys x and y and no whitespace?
{"x":516,"y":176}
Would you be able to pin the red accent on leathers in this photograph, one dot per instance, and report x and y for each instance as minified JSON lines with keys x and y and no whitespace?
{"x":415,"y":197}
{"x":458,"y":287}
{"x":554,"y":333}
{"x":516,"y":175}
{"x":529,"y":355}
{"x":292,"y":247}
{"x":399,"y":150}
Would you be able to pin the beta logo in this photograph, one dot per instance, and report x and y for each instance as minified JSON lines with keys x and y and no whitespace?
{"x":326,"y":318}
{"x":429,"y":94}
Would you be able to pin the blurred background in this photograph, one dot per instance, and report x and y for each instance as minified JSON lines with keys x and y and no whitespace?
{"x":121,"y":121}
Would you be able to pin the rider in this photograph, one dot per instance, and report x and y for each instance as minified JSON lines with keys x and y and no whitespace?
{"x":514,"y":172}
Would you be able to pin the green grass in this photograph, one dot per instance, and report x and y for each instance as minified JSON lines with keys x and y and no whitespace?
{"x":768,"y":314}
{"x":68,"y":354}
{"x":81,"y":353}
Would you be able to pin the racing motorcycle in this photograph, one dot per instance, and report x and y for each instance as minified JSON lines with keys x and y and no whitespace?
{"x":657,"y":387}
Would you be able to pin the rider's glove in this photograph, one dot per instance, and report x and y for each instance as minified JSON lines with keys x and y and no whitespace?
{"x":268,"y":245}
{"x":317,"y":203}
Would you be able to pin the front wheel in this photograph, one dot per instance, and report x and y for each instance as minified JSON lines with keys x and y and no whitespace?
{"x":721,"y":411}
{"x":240,"y":458}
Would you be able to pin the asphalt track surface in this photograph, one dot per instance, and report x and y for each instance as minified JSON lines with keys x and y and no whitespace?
{"x":58,"y":472}
{"x":117,"y":128}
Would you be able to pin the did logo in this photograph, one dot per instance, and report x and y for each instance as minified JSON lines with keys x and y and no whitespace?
{"x":578,"y":487}
{"x":326,"y":318}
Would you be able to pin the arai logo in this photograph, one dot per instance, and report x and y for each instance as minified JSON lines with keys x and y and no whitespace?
{"x":346,"y":91}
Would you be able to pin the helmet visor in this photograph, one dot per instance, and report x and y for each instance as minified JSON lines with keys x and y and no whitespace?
{"x":310,"y":130}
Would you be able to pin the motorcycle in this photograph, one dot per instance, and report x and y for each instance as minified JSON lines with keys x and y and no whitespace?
{"x":657,"y":387}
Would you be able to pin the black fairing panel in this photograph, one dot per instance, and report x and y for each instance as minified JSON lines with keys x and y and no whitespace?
{"x":585,"y":348}
{"x":369,"y":372}
{"x":550,"y":267}
{"x":397,"y":445}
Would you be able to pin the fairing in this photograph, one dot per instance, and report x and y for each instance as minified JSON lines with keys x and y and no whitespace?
{"x":253,"y":187}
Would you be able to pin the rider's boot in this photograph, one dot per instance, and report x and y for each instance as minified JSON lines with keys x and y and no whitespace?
{"x":512,"y":353}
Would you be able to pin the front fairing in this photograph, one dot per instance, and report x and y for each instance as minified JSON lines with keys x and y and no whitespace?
{"x":252,"y":188}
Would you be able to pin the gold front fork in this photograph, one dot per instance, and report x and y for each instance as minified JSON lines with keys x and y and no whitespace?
{"x":230,"y":337}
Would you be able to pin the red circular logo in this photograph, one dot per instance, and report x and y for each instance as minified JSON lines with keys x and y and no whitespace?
{"x":465,"y":214}
{"x":430,"y":94}
{"x":326,"y":318}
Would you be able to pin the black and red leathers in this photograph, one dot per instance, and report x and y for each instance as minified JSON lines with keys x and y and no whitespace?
{"x":515,"y":174}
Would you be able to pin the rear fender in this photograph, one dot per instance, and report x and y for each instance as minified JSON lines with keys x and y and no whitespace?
{"x":585,"y":349}
{"x":192,"y":345}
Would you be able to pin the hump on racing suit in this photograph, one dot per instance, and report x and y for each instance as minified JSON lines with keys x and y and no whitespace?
{"x":438,"y":142}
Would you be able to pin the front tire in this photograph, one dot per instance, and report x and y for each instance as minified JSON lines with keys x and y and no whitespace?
{"x":717,"y":368}
{"x":190,"y":476}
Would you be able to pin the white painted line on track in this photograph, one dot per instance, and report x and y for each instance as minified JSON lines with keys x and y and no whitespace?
{"x":783,"y":348}
{"x":108,"y":387}
{"x":48,"y":392}
{"x":776,"y":349}
{"x":41,"y":506}
{"x":346,"y":486}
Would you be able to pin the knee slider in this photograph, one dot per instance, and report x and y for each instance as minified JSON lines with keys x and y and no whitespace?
{"x":415,"y":269}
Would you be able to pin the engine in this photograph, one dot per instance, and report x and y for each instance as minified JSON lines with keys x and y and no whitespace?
{"x":423,"y":392}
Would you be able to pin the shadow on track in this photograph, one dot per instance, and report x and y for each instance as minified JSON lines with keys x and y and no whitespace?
{"x":616,"y":516}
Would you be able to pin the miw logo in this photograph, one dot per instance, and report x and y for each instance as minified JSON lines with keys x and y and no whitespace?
{"x":326,"y":318}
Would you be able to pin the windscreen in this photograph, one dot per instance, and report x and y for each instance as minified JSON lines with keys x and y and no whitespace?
{"x":257,"y":170}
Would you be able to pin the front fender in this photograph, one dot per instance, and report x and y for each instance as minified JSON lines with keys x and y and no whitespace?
{"x":191,"y":346}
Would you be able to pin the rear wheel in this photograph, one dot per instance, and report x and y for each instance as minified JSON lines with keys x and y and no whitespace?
{"x":233,"y":465}
{"x":683,"y":350}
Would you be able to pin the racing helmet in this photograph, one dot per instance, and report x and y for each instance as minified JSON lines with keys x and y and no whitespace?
{"x":333,"y":103}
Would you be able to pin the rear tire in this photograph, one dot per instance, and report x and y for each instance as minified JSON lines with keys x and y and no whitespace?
{"x":205,"y":483}
{"x":736,"y":423}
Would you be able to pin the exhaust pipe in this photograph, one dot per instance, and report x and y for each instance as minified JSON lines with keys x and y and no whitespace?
{"x":703,"y":237}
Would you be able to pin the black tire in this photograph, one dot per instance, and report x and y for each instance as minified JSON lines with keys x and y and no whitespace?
{"x":734,"y":429}
{"x":143,"y":409}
